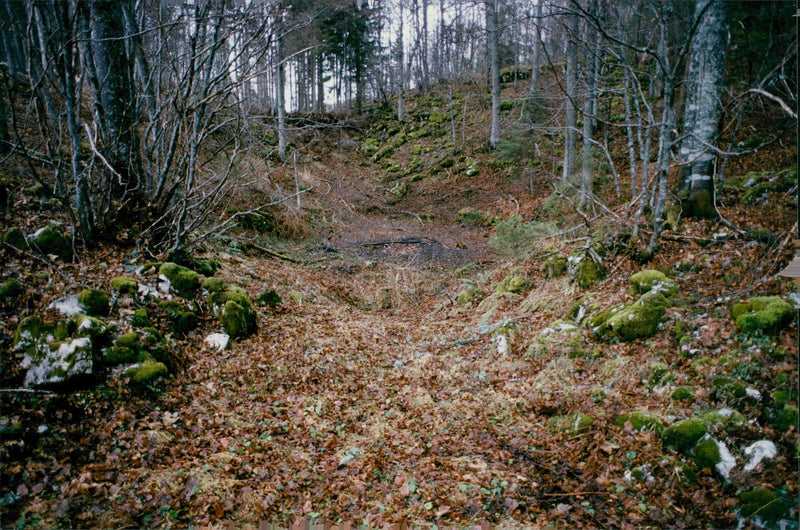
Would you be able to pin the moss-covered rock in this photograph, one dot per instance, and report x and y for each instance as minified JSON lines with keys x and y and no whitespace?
{"x":585,"y":268}
{"x":235,"y":311}
{"x":15,"y":238}
{"x":786,"y":417}
{"x":121,"y":355}
{"x":51,"y":240}
{"x":722,"y":418}
{"x":632,"y":321}
{"x":768,"y":314}
{"x":729,"y":388}
{"x":764,"y":504}
{"x":554,"y":266}
{"x":705,"y":454}
{"x":31,"y":331}
{"x":123,"y":285}
{"x":92,"y":327}
{"x":571,"y":423}
{"x":214,"y":284}
{"x":148,"y":372}
{"x":659,"y":375}
{"x":94,"y":301}
{"x":238,"y":321}
{"x":140,"y":319}
{"x":269,"y":298}
{"x":10,"y":290}
{"x":207,"y":267}
{"x":186,"y":282}
{"x":59,"y":363}
{"x":185,"y":321}
{"x":641,"y":421}
{"x":683,"y":435}
{"x":513,"y":284}
{"x":683,"y":393}
{"x":647,"y":280}
{"x":128,"y":340}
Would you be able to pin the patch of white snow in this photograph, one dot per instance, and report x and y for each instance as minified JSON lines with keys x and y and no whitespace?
{"x":758,"y":451}
{"x":67,"y":305}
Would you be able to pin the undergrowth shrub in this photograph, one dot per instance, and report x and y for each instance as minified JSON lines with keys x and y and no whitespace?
{"x":521,"y":240}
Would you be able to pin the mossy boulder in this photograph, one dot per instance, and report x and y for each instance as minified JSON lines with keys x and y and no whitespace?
{"x":121,"y":355}
{"x":705,"y":454}
{"x":764,"y":504}
{"x":785,"y":417}
{"x":729,"y":388}
{"x":15,"y":238}
{"x":148,"y":372}
{"x":31,"y":331}
{"x":659,"y":375}
{"x":683,"y":435}
{"x":94,"y":301}
{"x":554,"y":266}
{"x":647,"y":280}
{"x":235,"y":311}
{"x":10,"y":290}
{"x":269,"y":298}
{"x":683,"y":393}
{"x":123,"y":285}
{"x":207,"y":267}
{"x":767,"y":314}
{"x":59,"y":362}
{"x":214,"y":284}
{"x":513,"y":284}
{"x":140,"y":319}
{"x":723,"y":418}
{"x":238,"y":321}
{"x":52,"y":240}
{"x":632,"y":321}
{"x":570,"y":424}
{"x":641,"y":421}
{"x":585,"y":268}
{"x":92,"y":327}
{"x":185,"y":321}
{"x":186,"y":282}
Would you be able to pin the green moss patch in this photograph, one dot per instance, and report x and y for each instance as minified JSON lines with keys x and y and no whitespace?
{"x":214,"y":284}
{"x":767,"y":314}
{"x":786,"y":417}
{"x":185,"y":281}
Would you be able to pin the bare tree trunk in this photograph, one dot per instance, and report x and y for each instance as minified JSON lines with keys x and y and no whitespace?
{"x":705,"y":81}
{"x":279,"y":91}
{"x":571,"y":118}
{"x":401,"y":83}
{"x":537,"y":37}
{"x":494,"y":71}
{"x":588,"y":111}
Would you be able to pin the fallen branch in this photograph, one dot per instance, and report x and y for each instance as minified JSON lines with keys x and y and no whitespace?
{"x":404,"y":241}
{"x":273,"y":253}
{"x":25,"y":391}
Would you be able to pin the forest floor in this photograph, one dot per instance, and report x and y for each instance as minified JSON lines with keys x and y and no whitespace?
{"x":370,"y":396}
